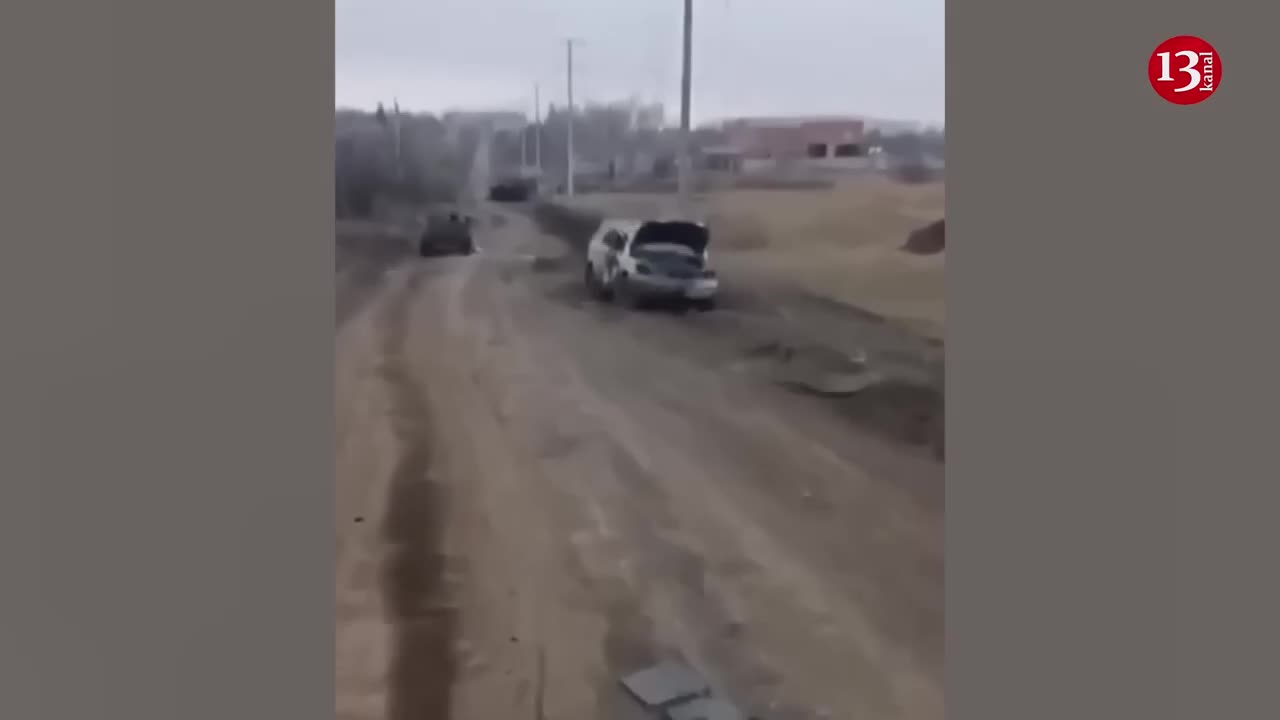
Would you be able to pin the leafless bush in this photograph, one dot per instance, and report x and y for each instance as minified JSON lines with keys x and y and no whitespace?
{"x":573,"y":226}
{"x":372,"y":169}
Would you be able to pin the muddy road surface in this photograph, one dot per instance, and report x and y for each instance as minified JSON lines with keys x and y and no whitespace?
{"x":537,"y":494}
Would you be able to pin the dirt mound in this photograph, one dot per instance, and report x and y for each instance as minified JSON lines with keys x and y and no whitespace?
{"x":907,"y":411}
{"x":928,"y":240}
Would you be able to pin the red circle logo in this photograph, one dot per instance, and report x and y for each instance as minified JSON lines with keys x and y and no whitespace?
{"x":1185,"y":70}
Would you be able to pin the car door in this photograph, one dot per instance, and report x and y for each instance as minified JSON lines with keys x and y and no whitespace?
{"x":611,"y":246}
{"x":602,"y":253}
{"x":597,"y":249}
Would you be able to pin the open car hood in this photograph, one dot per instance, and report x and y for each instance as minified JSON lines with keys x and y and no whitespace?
{"x":690,"y":235}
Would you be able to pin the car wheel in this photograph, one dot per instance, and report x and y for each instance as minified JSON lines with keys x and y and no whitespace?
{"x":704,"y":305}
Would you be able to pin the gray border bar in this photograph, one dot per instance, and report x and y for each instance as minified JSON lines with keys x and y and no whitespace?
{"x":1111,"y":367}
{"x":167,"y":459}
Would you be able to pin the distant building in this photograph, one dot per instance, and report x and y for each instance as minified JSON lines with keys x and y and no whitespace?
{"x":721,"y":159}
{"x":812,"y":143}
{"x":496,"y":121}
{"x":650,"y":117}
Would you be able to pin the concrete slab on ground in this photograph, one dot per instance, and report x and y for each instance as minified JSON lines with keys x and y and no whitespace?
{"x":666,"y":684}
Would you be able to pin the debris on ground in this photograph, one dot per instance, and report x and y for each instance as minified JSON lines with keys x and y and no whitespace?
{"x":818,"y":370}
{"x":829,"y":383}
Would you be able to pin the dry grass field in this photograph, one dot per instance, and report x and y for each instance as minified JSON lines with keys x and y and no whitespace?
{"x":843,"y":243}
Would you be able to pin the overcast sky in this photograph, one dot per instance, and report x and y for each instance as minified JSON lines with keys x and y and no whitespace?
{"x":751,"y":57}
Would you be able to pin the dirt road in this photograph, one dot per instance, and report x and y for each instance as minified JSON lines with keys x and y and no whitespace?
{"x":537,"y":494}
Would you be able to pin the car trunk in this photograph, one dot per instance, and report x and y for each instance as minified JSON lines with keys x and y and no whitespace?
{"x":687,"y":235}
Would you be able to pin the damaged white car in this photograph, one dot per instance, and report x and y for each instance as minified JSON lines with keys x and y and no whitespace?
{"x":641,"y":261}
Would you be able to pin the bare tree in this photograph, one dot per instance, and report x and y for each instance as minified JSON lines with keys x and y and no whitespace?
{"x":433,"y":164}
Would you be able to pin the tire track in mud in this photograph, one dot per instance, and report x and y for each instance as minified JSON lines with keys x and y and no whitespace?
{"x":693,"y":587}
{"x":362,"y":253}
{"x":638,"y":571}
{"x":423,"y":618}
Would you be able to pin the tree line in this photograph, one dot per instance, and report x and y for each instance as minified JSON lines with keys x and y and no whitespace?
{"x":386,"y":156}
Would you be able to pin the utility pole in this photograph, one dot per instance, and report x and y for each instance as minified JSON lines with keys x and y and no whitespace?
{"x":569,"y":143}
{"x":537,"y":129}
{"x":685,"y":165}
{"x":399,"y":165}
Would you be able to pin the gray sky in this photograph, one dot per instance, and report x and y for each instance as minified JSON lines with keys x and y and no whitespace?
{"x":751,"y":57}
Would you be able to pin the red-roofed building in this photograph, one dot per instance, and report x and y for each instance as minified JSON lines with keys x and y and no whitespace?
{"x":796,"y":139}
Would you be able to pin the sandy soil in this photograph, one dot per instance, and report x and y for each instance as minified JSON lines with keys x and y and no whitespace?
{"x":537,"y":493}
{"x":841,"y":244}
